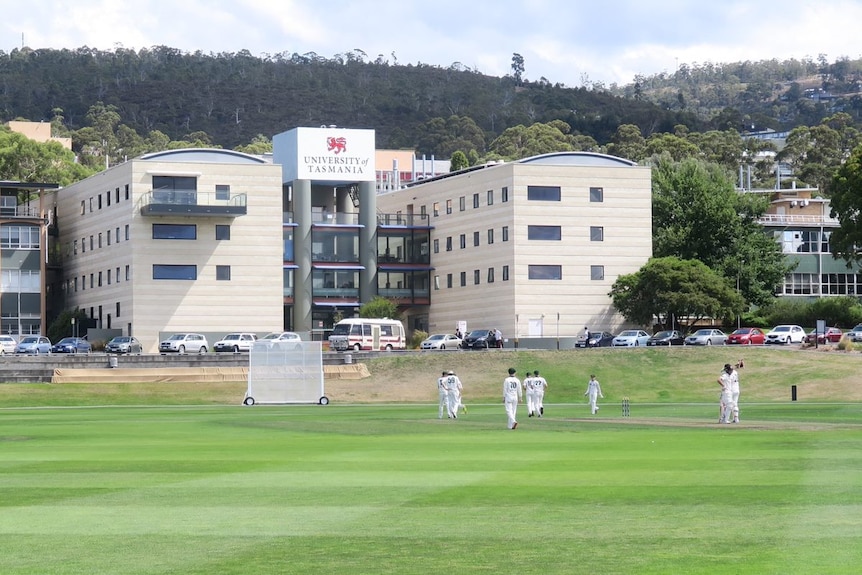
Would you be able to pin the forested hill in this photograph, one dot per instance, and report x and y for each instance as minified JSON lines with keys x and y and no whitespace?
{"x":228,"y":99}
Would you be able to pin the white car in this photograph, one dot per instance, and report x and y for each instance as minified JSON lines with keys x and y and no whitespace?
{"x":855,"y":334}
{"x":235,"y":342}
{"x":706,"y":336}
{"x":7,"y":344}
{"x":441,"y":341}
{"x":631,"y":338}
{"x":785,"y":334}
{"x":184,"y":343}
{"x":280,"y":338}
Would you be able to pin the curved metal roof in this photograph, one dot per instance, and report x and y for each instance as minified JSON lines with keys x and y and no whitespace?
{"x":213,"y":155}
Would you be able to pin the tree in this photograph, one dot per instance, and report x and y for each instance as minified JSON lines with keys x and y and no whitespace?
{"x":629,"y":143}
{"x":458,"y":161}
{"x":517,"y":67}
{"x":25,"y":160}
{"x":379,"y":307}
{"x":846,"y":203}
{"x":699,"y":215}
{"x":523,"y":142}
{"x":670,"y":288}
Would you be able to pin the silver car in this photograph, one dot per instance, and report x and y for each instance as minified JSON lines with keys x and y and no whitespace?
{"x":441,"y":341}
{"x":184,"y":343}
{"x":706,"y":336}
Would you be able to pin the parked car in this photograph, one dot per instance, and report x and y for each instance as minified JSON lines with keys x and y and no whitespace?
{"x":479,"y":339}
{"x":72,"y":345}
{"x":667,"y":337}
{"x":441,"y":341}
{"x":597,"y":339}
{"x":7,"y":344}
{"x":707,"y":336}
{"x":631,"y":338}
{"x":235,"y":342}
{"x":280,"y":338}
{"x":785,"y":334}
{"x":124,"y":344}
{"x":184,"y":343}
{"x":855,"y":334}
{"x":746,"y":336}
{"x":832,"y":335}
{"x":33,"y":344}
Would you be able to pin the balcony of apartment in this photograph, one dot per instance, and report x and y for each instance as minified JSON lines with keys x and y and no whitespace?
{"x":193,"y":203}
{"x":21,"y":212}
{"x":798,"y":220}
{"x":398,"y":220}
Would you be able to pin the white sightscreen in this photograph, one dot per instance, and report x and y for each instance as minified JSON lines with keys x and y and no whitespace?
{"x":285,"y":372}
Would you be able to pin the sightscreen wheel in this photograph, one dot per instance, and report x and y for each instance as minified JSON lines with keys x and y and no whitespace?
{"x":248,"y":401}
{"x":324,"y":400}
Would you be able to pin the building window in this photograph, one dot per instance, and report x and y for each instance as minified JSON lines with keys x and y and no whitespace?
{"x":505,"y":273}
{"x":436,"y":282}
{"x":128,"y":272}
{"x":109,"y":237}
{"x":436,"y":207}
{"x":127,"y":232}
{"x":91,"y":205}
{"x":504,"y":194}
{"x":463,"y":241}
{"x":222,"y":192}
{"x":449,"y":244}
{"x":117,"y":195}
{"x":222,"y":232}
{"x":118,"y":235}
{"x":108,"y":197}
{"x":544,"y":272}
{"x":449,"y":281}
{"x":544,"y":233}
{"x":423,"y":211}
{"x":175,"y":272}
{"x":597,"y":194}
{"x":491,"y":236}
{"x":475,"y":200}
{"x":543,"y":193}
{"x":490,"y":197}
{"x":127,"y":191}
{"x":109,"y":276}
{"x":99,"y":201}
{"x":175,"y":232}
{"x":490,"y":275}
{"x":83,"y":207}
{"x":118,"y":274}
{"x":476,"y":277}
{"x":223,"y":273}
{"x":597,"y":234}
{"x":597,"y":273}
{"x":118,"y":309}
{"x":76,"y":283}
{"x":92,"y":282}
{"x":436,"y":245}
{"x":448,"y":206}
{"x":83,"y":245}
{"x":91,"y":243}
{"x":100,"y":280}
{"x":100,"y":240}
{"x":463,"y":279}
{"x":462,"y":203}
{"x":75,"y":247}
{"x":505,"y":233}
{"x":475,"y":238}
{"x":83,"y":282}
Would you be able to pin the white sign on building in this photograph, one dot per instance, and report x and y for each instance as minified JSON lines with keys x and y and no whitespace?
{"x":333,"y":155}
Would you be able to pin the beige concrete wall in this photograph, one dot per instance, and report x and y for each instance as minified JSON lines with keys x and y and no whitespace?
{"x":625,"y":215}
{"x":251,"y":301}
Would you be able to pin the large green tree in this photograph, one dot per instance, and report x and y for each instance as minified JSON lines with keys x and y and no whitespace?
{"x":846,"y":205}
{"x":671,"y":289}
{"x":25,"y":160}
{"x":699,"y":215}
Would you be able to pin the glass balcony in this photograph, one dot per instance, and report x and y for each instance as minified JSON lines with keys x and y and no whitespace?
{"x":192,"y":203}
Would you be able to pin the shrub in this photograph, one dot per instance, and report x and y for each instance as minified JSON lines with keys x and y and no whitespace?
{"x":418,"y":337}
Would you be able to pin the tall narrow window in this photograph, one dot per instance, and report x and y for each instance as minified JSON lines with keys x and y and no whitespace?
{"x":475,"y":200}
{"x":476,"y":277}
{"x":463,"y":241}
{"x":462,"y":203}
{"x":449,"y":243}
{"x":436,"y":209}
{"x":448,"y":281}
{"x":505,"y":233}
{"x":505,"y":273}
{"x":448,"y":206}
{"x":490,"y":197}
{"x":490,"y":275}
{"x":504,"y":194}
{"x":463,"y":279}
{"x":436,"y":246}
{"x":490,"y":236}
{"x":475,"y":238}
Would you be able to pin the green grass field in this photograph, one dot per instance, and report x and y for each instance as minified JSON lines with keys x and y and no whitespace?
{"x":389,"y":488}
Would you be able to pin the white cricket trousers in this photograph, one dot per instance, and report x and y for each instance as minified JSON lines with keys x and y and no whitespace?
{"x":594,"y":396}
{"x":512,"y":411}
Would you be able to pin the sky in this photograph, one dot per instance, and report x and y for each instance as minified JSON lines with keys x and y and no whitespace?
{"x":571,"y":42}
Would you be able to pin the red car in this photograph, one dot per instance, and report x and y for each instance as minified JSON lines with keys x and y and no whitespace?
{"x":832,"y":335}
{"x":746,"y":336}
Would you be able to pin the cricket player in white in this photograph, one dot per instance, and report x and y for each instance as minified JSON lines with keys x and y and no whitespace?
{"x":727,"y":380}
{"x":444,"y":395}
{"x":734,"y":392}
{"x":594,"y":390}
{"x":529,"y":395}
{"x":453,"y":385}
{"x":539,"y":387}
{"x":511,"y":397}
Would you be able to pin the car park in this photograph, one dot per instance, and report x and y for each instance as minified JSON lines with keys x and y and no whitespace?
{"x":746,"y":336}
{"x":631,"y":338}
{"x":479,"y":339}
{"x":706,"y":336}
{"x":441,"y":341}
{"x":831,"y":335}
{"x":72,"y":345}
{"x":124,"y":344}
{"x":33,"y":344}
{"x":7,"y":344}
{"x":666,"y":337}
{"x":596,"y":339}
{"x":184,"y":343}
{"x":785,"y":334}
{"x":235,"y":342}
{"x":855,"y":334}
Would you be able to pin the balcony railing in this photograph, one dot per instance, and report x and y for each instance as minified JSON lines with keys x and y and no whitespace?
{"x":797,"y":220}
{"x":21,"y":211}
{"x":189,"y":202}
{"x":404,"y":220}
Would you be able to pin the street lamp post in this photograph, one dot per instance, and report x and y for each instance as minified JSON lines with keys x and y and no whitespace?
{"x":738,"y":273}
{"x":74,"y":328}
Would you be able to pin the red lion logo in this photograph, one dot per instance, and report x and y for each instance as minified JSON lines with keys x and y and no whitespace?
{"x":336,"y":145}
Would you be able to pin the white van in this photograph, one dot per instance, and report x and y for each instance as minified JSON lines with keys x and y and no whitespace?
{"x":366,"y":334}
